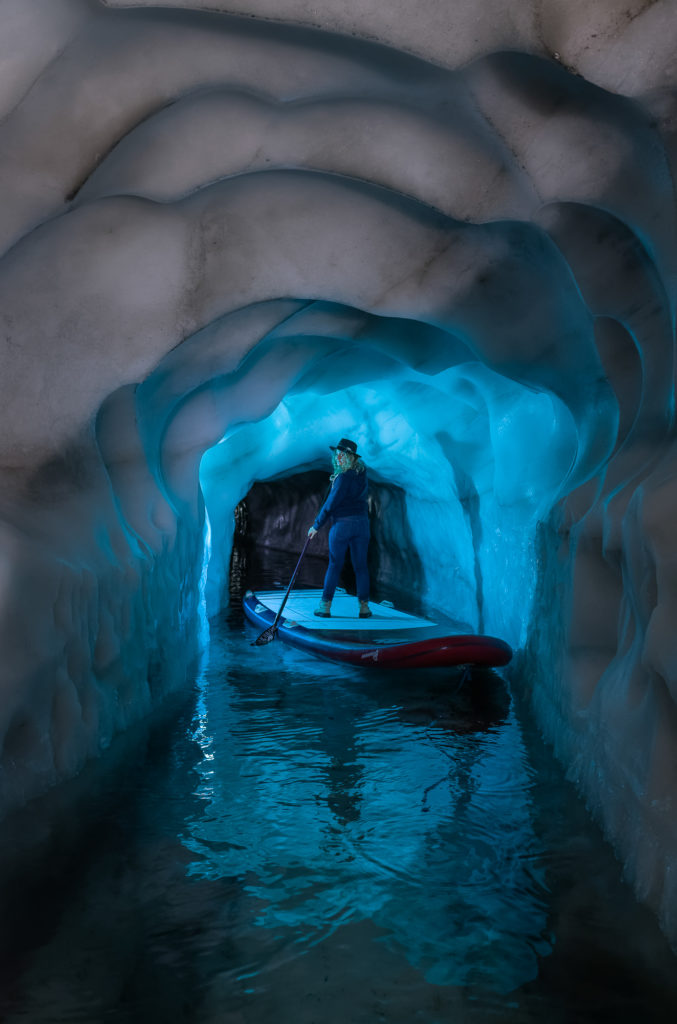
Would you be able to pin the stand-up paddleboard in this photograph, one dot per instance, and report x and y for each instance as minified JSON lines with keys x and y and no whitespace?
{"x":388,"y":639}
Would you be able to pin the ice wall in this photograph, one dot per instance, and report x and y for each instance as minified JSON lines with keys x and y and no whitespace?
{"x":263,"y":225}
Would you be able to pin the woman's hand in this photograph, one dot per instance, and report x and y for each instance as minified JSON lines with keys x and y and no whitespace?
{"x":312,"y":531}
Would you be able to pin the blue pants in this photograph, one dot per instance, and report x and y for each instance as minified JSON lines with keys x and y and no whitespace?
{"x":351,"y":532}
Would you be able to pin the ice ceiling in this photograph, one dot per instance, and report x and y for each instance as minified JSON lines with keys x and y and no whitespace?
{"x":450,"y":236}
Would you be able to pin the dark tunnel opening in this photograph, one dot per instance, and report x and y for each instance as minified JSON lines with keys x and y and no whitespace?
{"x":271,"y":524}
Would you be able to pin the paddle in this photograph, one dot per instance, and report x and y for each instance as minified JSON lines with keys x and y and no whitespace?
{"x":269,"y":633}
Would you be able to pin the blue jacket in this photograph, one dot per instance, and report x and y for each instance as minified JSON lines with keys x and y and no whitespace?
{"x":348,"y":497}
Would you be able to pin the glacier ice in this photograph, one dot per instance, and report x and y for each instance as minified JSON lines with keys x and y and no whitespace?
{"x":226,"y":241}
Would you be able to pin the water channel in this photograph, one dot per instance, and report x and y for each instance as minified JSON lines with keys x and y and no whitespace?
{"x":294,"y":842}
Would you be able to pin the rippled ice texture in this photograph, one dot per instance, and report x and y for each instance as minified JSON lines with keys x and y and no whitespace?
{"x":302,"y":842}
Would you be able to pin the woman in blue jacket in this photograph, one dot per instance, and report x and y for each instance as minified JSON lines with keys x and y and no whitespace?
{"x":346,"y":507}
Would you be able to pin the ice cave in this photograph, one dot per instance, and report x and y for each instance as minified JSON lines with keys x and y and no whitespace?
{"x":233,"y":233}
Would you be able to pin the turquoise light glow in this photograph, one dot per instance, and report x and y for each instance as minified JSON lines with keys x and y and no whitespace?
{"x":481,"y":459}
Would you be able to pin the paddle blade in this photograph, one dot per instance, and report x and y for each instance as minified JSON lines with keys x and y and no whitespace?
{"x":265,"y":637}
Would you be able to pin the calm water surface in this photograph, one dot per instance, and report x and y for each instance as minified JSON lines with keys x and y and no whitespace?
{"x":297,"y":842}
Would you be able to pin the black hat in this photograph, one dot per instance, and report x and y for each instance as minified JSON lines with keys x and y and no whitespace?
{"x":345,"y":445}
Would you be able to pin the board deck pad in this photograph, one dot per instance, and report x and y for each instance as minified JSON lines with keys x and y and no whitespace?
{"x":344,"y":612}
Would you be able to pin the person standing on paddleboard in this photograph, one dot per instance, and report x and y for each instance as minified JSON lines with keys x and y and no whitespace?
{"x":346,"y":507}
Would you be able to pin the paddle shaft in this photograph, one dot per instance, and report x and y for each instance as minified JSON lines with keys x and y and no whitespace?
{"x":269,"y":633}
{"x":291,"y":582}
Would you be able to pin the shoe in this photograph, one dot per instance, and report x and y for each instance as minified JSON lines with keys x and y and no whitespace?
{"x":365,"y":610}
{"x":323,"y":610}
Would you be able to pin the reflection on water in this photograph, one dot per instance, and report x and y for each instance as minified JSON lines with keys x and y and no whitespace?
{"x":300,"y":842}
{"x":343,"y":800}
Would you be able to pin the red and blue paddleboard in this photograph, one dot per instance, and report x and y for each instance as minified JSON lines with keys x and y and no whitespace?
{"x":388,"y":639}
